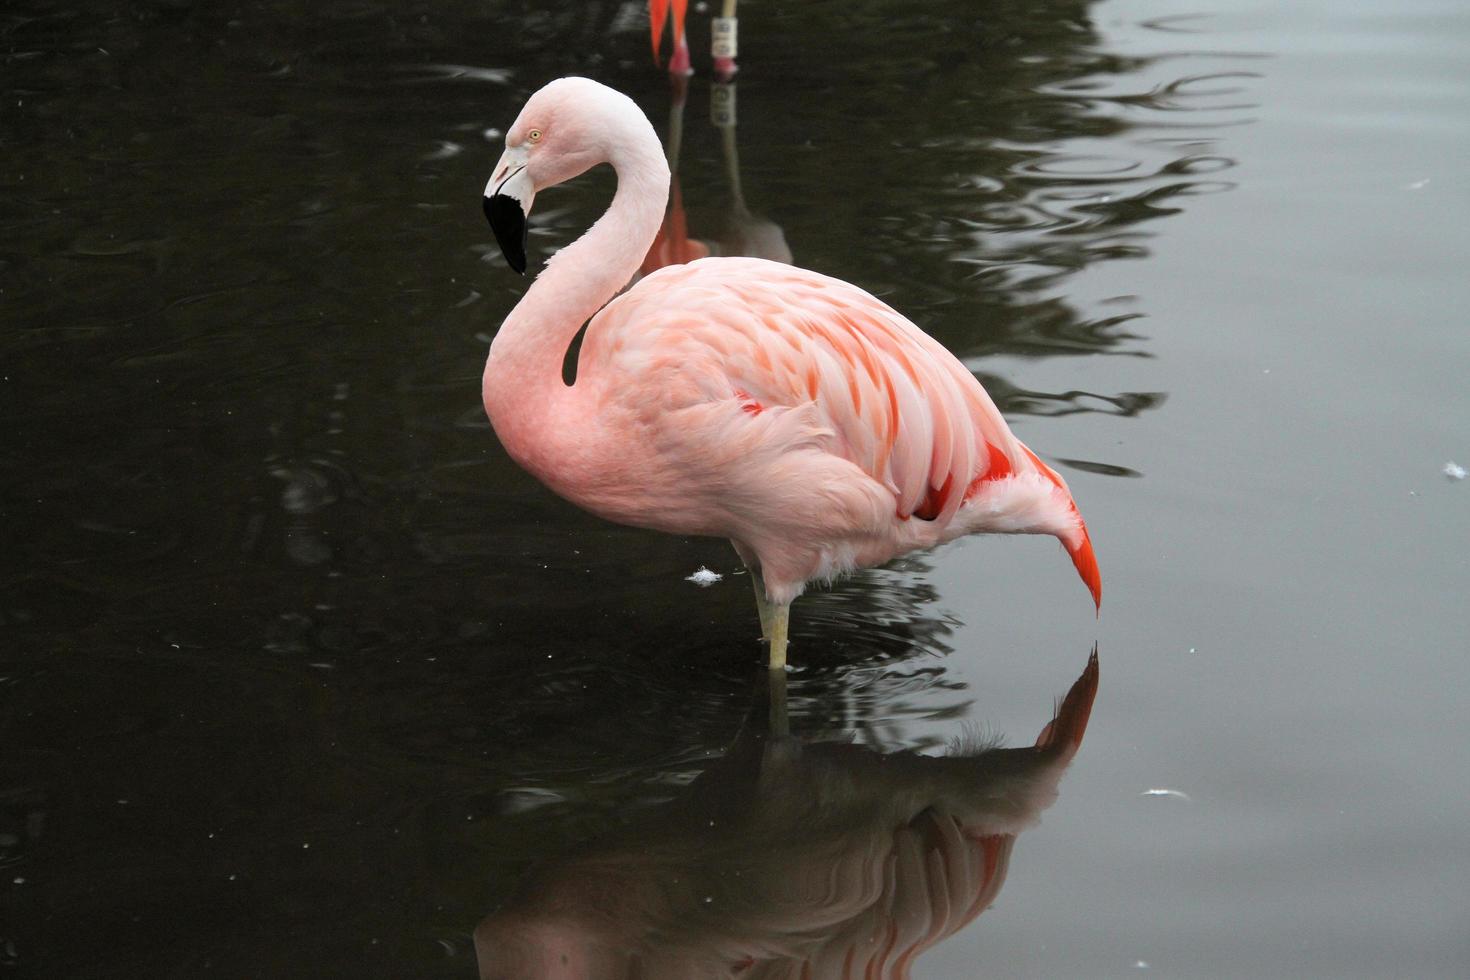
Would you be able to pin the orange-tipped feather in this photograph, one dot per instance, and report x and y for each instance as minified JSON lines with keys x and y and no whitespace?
{"x":1086,"y":563}
{"x":1081,"y":553}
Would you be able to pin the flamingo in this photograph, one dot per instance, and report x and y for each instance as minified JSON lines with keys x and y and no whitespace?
{"x":658,"y":15}
{"x":795,"y":414}
{"x":789,"y":859}
{"x":723,"y":37}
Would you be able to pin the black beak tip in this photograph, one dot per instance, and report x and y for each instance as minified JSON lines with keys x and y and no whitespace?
{"x":508,"y":222}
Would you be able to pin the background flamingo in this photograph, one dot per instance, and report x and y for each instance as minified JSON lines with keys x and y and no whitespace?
{"x":658,"y":15}
{"x":787,"y":859}
{"x":723,"y":36}
{"x":800,"y":417}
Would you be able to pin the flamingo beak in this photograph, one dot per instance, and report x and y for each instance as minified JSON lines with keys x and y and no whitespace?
{"x":507,"y":205}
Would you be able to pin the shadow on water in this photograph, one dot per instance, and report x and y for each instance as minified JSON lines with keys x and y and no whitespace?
{"x":787,"y":857}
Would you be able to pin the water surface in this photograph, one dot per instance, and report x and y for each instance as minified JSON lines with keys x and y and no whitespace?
{"x":301,"y":676}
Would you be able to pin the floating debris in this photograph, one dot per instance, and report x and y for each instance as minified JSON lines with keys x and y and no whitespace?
{"x":527,"y":798}
{"x":704,"y":578}
{"x":1454,"y":470}
{"x":1172,"y":793}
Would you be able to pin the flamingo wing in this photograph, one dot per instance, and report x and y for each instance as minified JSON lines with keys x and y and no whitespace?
{"x":763,"y":336}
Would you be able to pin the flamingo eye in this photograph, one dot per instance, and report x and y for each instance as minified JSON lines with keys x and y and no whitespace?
{"x":534,"y":135}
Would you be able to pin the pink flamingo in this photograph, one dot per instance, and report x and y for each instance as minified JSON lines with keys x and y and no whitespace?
{"x":797,"y":415}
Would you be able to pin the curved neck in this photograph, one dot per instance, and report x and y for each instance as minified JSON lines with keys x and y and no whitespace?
{"x":525,"y":397}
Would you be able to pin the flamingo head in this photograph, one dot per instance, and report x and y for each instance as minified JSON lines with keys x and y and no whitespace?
{"x":566,"y":128}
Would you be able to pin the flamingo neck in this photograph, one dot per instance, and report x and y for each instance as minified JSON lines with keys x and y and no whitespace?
{"x":537,"y":416}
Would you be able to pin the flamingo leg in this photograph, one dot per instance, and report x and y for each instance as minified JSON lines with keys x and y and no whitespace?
{"x":778,"y":725}
{"x":679,"y":61}
{"x":762,"y":604}
{"x":780,"y":617}
{"x":775,"y":616}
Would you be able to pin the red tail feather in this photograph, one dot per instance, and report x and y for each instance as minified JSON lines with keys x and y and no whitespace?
{"x":1086,"y":563}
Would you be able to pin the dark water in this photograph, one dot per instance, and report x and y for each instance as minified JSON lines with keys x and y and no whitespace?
{"x":301,"y":676}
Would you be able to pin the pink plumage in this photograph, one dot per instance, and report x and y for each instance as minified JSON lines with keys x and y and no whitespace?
{"x":795,"y":414}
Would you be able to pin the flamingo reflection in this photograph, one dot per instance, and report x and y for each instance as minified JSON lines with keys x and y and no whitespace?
{"x":744,"y":232}
{"x":788,"y":859}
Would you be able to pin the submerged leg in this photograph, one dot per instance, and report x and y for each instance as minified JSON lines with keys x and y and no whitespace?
{"x":780,"y":617}
{"x":778,"y":726}
{"x":762,"y":604}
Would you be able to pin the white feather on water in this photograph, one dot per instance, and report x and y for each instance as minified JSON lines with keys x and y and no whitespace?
{"x":703,"y":577}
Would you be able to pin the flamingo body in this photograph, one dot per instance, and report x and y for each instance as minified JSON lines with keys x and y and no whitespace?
{"x":802,"y":418}
{"x":795,"y":414}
